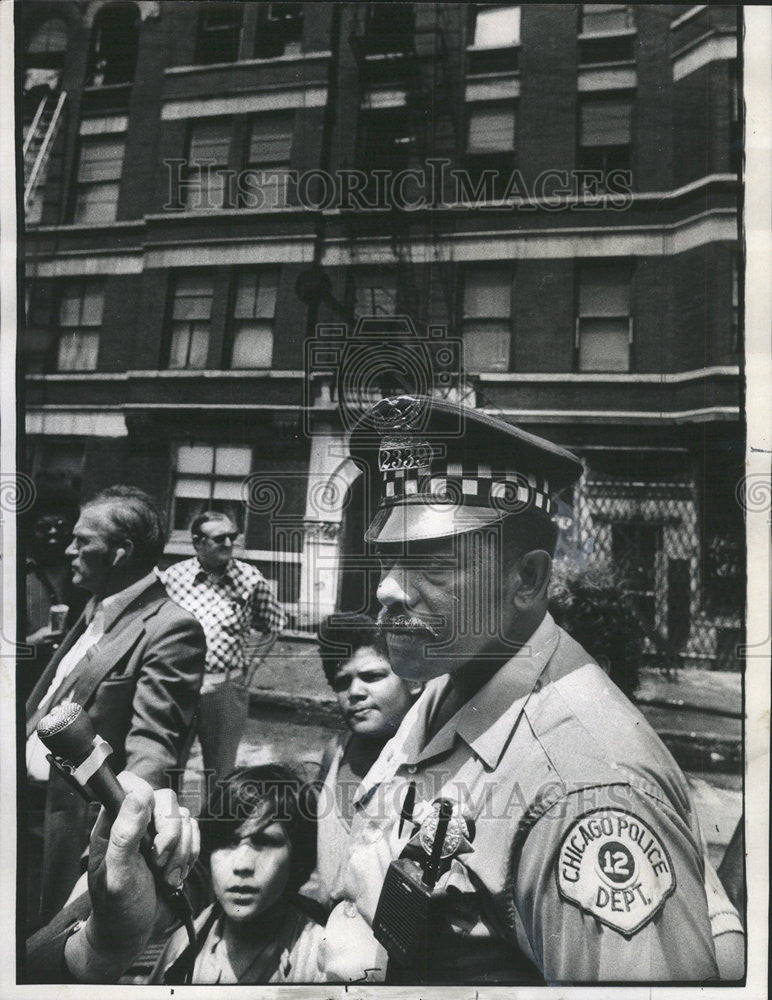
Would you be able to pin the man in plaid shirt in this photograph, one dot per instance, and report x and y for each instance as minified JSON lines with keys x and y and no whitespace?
{"x":230,"y":598}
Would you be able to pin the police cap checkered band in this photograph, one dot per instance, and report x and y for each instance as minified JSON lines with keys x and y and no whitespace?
{"x":440,"y":468}
{"x":476,"y":486}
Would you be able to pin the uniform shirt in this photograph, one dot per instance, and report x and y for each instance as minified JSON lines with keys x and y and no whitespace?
{"x":586,"y":863}
{"x":228,"y":607}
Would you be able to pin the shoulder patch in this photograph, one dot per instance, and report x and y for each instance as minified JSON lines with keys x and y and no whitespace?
{"x":613,"y":865}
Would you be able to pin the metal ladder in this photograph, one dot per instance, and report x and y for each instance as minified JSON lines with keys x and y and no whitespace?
{"x":39,"y":140}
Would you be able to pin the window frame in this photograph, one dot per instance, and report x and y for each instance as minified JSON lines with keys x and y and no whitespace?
{"x":82,"y":328}
{"x":280,"y":166}
{"x":205,"y":10}
{"x":625,"y":9}
{"x":173,"y":298}
{"x":584,"y":264}
{"x":82,"y":187}
{"x":357,"y":274}
{"x":207,"y":169}
{"x":480,"y":8}
{"x":507,"y":271}
{"x":597,"y":156}
{"x":212,"y":478}
{"x":259,"y":274}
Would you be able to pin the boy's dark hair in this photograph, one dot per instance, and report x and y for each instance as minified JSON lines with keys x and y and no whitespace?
{"x":277,"y":794}
{"x":341,"y":635}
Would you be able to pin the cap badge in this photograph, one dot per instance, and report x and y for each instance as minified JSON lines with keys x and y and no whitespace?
{"x":404,"y":453}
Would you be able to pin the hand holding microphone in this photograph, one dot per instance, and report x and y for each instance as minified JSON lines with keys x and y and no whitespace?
{"x":122,"y":885}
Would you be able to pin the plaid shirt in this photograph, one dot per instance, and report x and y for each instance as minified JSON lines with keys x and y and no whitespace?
{"x":228,"y":606}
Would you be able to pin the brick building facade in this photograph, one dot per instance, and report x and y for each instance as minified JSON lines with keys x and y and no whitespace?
{"x":568,"y":210}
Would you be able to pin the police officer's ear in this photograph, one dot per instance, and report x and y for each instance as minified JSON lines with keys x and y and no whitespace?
{"x":531,"y":579}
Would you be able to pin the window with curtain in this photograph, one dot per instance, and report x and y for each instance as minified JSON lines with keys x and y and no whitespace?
{"x":601,"y":17}
{"x":209,"y":477}
{"x":268,"y":158}
{"x":219,"y":32}
{"x":491,"y":128}
{"x":99,"y":177}
{"x":490,"y":146}
{"x":605,"y":132}
{"x":80,"y":319}
{"x":190,"y":319}
{"x":49,"y":37}
{"x":375,"y":293}
{"x":487,"y":323}
{"x":496,"y":26}
{"x":253,"y":315}
{"x":604,"y":323}
{"x":208,"y":155}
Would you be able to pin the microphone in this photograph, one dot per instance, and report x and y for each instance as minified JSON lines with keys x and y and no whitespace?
{"x":80,"y":755}
{"x":68,"y":734}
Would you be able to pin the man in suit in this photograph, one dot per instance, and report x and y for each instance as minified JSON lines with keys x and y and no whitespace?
{"x":134,"y":660}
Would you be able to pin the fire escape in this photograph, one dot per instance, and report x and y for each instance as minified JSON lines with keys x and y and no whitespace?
{"x":411,"y":103}
{"x":38,"y":141}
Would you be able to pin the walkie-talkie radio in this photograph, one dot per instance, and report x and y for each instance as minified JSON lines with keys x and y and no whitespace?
{"x":406,"y":907}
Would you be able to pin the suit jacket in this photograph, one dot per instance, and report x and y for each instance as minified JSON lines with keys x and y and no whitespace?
{"x":139,"y":685}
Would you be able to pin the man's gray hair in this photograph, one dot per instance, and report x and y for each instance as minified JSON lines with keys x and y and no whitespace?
{"x":133,"y":515}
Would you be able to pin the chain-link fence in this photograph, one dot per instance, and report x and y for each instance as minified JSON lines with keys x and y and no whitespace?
{"x":671,"y":539}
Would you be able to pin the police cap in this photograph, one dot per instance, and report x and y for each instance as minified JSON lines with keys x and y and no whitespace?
{"x":440,"y":468}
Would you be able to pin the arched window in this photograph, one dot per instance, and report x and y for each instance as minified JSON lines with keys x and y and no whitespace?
{"x":44,"y":52}
{"x":114,"y":41}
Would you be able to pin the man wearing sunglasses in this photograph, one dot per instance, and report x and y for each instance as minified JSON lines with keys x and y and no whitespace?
{"x":232,"y":600}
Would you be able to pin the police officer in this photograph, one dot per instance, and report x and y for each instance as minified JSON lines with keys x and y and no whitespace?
{"x":573,"y":851}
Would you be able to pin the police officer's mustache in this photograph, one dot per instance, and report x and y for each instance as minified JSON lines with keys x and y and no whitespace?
{"x":389,"y":621}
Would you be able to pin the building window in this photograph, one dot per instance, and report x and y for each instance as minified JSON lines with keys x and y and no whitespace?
{"x":99,"y":175}
{"x":490,"y":144}
{"x":487,"y":323}
{"x":604,"y":324}
{"x":208,"y":156}
{"x":495,"y":26}
{"x":114,"y":44}
{"x":279,"y":30}
{"x":389,"y":27}
{"x":191,"y":314}
{"x":253,"y":313}
{"x":387,"y":139}
{"x":219,"y":33}
{"x":605,"y":133}
{"x":491,"y":128}
{"x":209,"y":477}
{"x":80,"y":319}
{"x":268,"y":160}
{"x":44,"y":57}
{"x":375,"y":294}
{"x":605,"y":17}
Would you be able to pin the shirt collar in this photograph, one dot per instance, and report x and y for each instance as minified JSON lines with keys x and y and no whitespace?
{"x":202,"y":574}
{"x":114,"y":605}
{"x":486,"y":721}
